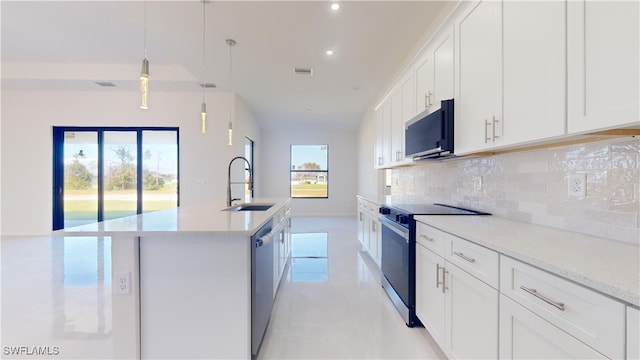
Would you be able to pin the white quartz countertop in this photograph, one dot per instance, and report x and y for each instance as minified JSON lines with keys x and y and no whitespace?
{"x":197,"y":219}
{"x":608,"y":266}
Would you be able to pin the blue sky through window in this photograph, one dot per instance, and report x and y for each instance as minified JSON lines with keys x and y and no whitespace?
{"x":301,"y":154}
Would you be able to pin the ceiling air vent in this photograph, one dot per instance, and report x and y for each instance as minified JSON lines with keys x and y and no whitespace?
{"x":303,"y":71}
{"x":207,"y":85}
{"x":105,"y":83}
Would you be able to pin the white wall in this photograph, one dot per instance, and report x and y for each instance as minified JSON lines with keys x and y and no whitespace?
{"x":273,"y":169}
{"x":28,"y":117}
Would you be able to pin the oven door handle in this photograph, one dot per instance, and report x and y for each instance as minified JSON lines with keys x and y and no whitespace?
{"x":395,"y":228}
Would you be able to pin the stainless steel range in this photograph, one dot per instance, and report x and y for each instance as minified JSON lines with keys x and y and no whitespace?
{"x":399,"y":252}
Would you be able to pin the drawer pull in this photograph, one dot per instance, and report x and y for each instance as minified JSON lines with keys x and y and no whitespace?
{"x":464,"y":257}
{"x":535,"y":293}
{"x":438,"y":283}
{"x":426,"y":237}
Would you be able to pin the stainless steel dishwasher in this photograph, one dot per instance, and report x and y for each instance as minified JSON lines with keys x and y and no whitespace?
{"x":261,"y":283}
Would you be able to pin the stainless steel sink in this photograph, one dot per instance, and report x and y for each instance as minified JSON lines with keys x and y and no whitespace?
{"x":249,"y":207}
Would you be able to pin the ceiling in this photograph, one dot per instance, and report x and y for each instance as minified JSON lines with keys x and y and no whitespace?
{"x":69,"y":45}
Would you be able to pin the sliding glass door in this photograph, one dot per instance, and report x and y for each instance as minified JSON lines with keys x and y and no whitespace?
{"x":106,"y":173}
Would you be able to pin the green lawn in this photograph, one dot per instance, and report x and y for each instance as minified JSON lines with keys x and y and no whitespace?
{"x":81,"y":204}
{"x":309,"y":190}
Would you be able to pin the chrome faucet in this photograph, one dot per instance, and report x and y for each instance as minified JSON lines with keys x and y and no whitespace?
{"x":250,"y":182}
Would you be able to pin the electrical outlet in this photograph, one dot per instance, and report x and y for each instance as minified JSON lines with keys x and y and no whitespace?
{"x":477,"y":183}
{"x":122,"y":283}
{"x":577,"y":185}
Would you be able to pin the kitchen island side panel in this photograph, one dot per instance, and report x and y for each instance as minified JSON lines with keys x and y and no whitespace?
{"x":195,"y":297}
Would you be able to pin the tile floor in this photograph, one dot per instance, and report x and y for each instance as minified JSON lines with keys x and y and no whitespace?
{"x":56,"y":301}
{"x":347,"y":316}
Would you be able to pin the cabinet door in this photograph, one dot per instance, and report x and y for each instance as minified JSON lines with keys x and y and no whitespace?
{"x":386,"y":133}
{"x":397,"y":128}
{"x":443,"y":74}
{"x":424,"y":81}
{"x":534,"y":60}
{"x":407,"y":112}
{"x":603,"y":46}
{"x":374,"y":239}
{"x":524,"y":335}
{"x":361,"y":224}
{"x":430,"y":298}
{"x":379,"y":150}
{"x":478,"y":101}
{"x":471,"y":316}
{"x":633,"y":333}
{"x":408,"y":100}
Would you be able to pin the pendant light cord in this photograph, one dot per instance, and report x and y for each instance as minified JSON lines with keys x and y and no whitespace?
{"x":230,"y":67}
{"x":145,"y":29}
{"x":204,"y":83}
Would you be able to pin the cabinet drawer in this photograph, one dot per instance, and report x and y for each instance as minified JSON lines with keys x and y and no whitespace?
{"x":478,"y":261}
{"x":594,"y":319}
{"x":431,"y":238}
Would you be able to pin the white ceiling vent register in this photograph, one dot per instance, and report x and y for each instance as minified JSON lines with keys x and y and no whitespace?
{"x":104,"y":83}
{"x":303,"y":71}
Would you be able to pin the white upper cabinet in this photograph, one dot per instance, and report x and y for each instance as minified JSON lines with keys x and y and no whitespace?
{"x":424,"y":81}
{"x":392,"y":116}
{"x":379,"y":151}
{"x":534,"y":59}
{"x":478,"y":101}
{"x":435,"y":73}
{"x":383,"y":145}
{"x":443,"y":81}
{"x":603,"y":62}
{"x":397,"y":127}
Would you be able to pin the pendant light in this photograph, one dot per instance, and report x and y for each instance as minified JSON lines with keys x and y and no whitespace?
{"x":203,"y":107}
{"x":231,"y":44}
{"x":144,"y":73}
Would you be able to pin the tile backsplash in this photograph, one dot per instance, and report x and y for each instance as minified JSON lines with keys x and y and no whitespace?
{"x":532,"y":186}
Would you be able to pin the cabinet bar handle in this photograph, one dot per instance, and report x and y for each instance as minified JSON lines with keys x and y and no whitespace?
{"x":486,"y":126}
{"x":471,"y":260}
{"x":444,"y":277}
{"x":426,"y":237}
{"x":429,"y":97}
{"x":494,"y":127}
{"x":535,"y":293}
{"x":438,"y":283}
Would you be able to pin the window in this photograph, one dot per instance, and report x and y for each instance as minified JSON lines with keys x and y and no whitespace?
{"x":309,"y":171}
{"x":111,"y":172}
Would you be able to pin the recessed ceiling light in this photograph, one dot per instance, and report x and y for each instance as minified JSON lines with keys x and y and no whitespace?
{"x":329,"y":52}
{"x":307,"y":110}
{"x":335,"y":6}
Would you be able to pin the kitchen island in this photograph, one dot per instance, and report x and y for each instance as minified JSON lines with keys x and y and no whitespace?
{"x":182,"y":279}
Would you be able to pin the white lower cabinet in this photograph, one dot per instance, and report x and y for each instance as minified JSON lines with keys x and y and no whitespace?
{"x":578,"y":313}
{"x":524,"y":334}
{"x":369,"y":228}
{"x":459,"y":310}
{"x":471,"y":316}
{"x":430,"y":299}
{"x":633,"y":333}
{"x":281,"y":248}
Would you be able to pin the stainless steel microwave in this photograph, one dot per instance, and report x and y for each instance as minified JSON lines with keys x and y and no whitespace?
{"x":429,"y":136}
